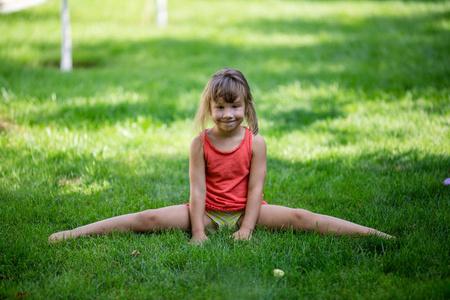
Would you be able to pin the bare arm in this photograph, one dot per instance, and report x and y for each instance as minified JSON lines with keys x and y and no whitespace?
{"x":197,"y":191}
{"x":258,"y":171}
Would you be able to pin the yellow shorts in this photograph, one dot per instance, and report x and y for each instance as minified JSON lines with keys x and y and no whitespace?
{"x":224,"y":218}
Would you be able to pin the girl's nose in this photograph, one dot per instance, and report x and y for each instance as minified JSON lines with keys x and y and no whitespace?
{"x":227,"y":113}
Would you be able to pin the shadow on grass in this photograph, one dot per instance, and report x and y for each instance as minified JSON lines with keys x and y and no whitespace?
{"x":297,"y":118}
{"x":400,"y":187}
{"x":97,"y":115}
{"x":401,"y":194}
{"x":171,"y":73}
{"x":76,"y":189}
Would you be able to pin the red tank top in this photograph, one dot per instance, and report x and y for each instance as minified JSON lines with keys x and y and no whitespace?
{"x":227,"y":174}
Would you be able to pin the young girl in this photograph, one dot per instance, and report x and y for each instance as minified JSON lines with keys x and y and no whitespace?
{"x":227,"y":170}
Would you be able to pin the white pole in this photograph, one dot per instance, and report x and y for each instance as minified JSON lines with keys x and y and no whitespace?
{"x":66,"y":42}
{"x":161,"y":13}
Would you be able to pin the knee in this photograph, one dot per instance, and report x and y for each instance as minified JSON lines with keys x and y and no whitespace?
{"x":148,"y":219}
{"x":301,"y":217}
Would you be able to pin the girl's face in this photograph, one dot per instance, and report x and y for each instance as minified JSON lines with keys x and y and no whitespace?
{"x":228,"y":116}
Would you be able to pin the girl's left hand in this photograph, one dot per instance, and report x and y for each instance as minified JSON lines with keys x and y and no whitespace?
{"x":243,"y":234}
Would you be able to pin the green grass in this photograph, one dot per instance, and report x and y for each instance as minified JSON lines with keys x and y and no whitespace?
{"x":353,"y":101}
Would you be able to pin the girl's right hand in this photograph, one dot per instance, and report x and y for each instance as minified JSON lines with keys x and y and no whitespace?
{"x":198,"y":239}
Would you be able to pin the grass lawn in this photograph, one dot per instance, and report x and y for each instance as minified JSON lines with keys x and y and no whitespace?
{"x":352,"y":99}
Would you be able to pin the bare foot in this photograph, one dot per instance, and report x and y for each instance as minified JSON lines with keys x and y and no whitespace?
{"x":381,"y":234}
{"x":60,"y":236}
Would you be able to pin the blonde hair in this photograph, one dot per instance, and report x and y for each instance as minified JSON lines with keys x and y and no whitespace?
{"x":227,"y":84}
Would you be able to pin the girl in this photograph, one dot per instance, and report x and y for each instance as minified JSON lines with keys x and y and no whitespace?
{"x":227,"y":170}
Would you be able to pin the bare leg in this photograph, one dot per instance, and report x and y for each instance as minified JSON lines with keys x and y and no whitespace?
{"x":279,"y":217}
{"x":146,"y":221}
